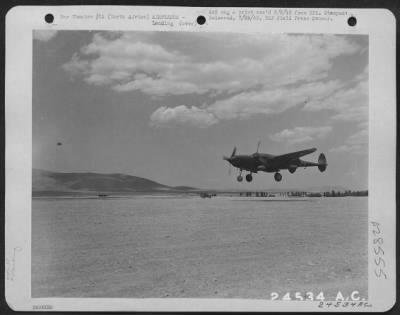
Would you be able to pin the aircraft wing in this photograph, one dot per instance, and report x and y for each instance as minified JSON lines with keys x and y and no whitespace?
{"x":293,"y":155}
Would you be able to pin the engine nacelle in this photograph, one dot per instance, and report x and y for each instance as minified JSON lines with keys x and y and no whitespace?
{"x":292,"y":168}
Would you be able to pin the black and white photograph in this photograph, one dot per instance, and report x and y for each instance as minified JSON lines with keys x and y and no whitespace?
{"x":218,"y":165}
{"x":130,"y":186}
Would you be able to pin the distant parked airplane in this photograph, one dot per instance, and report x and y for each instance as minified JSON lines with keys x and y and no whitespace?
{"x":272,"y":163}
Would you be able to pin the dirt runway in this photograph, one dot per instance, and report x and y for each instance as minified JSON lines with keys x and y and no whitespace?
{"x":192,"y":247}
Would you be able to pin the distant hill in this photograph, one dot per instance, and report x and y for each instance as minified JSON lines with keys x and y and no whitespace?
{"x":46,"y":182}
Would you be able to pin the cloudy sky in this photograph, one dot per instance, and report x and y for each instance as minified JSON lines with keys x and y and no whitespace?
{"x":167,"y":106}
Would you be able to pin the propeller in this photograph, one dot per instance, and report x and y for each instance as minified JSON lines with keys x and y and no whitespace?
{"x":229,"y":160}
{"x":256,"y":155}
{"x":233,"y":152}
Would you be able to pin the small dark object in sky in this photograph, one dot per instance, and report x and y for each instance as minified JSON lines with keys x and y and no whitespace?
{"x":59,"y":143}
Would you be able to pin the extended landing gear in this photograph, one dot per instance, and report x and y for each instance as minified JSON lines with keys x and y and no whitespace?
{"x":240,"y":178}
{"x":278,"y":177}
{"x":249,"y":178}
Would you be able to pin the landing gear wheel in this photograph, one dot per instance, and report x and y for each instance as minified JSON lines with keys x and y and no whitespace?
{"x":249,"y":178}
{"x":278,"y":177}
{"x":239,"y":178}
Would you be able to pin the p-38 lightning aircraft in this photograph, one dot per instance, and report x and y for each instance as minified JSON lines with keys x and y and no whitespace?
{"x":272,"y":163}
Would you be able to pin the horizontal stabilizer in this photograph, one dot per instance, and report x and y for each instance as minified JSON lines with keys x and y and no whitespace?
{"x":322,"y":162}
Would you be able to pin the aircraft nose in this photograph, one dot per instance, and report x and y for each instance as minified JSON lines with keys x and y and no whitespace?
{"x":232,"y":160}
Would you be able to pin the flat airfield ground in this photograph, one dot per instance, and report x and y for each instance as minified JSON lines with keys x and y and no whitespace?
{"x":170,"y":247}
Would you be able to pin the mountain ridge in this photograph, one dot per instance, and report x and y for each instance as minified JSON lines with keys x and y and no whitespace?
{"x":48,"y":181}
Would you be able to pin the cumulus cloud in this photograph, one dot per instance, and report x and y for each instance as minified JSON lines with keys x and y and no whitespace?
{"x":173,"y":64}
{"x":182,"y":115}
{"x":76,"y":66}
{"x":341,"y":148}
{"x":270,"y":101}
{"x":301,"y":134}
{"x":44,"y":35}
{"x":348,"y":102}
{"x":247,"y":74}
{"x":357,"y":143}
{"x":253,"y":103}
{"x":348,"y":148}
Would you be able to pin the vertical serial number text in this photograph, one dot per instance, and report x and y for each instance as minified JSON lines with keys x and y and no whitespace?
{"x":379,"y":253}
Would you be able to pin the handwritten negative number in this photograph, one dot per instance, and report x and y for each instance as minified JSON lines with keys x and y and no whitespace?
{"x":380,"y":263}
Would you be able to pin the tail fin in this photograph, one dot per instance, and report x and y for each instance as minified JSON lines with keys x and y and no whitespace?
{"x":322,"y":162}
